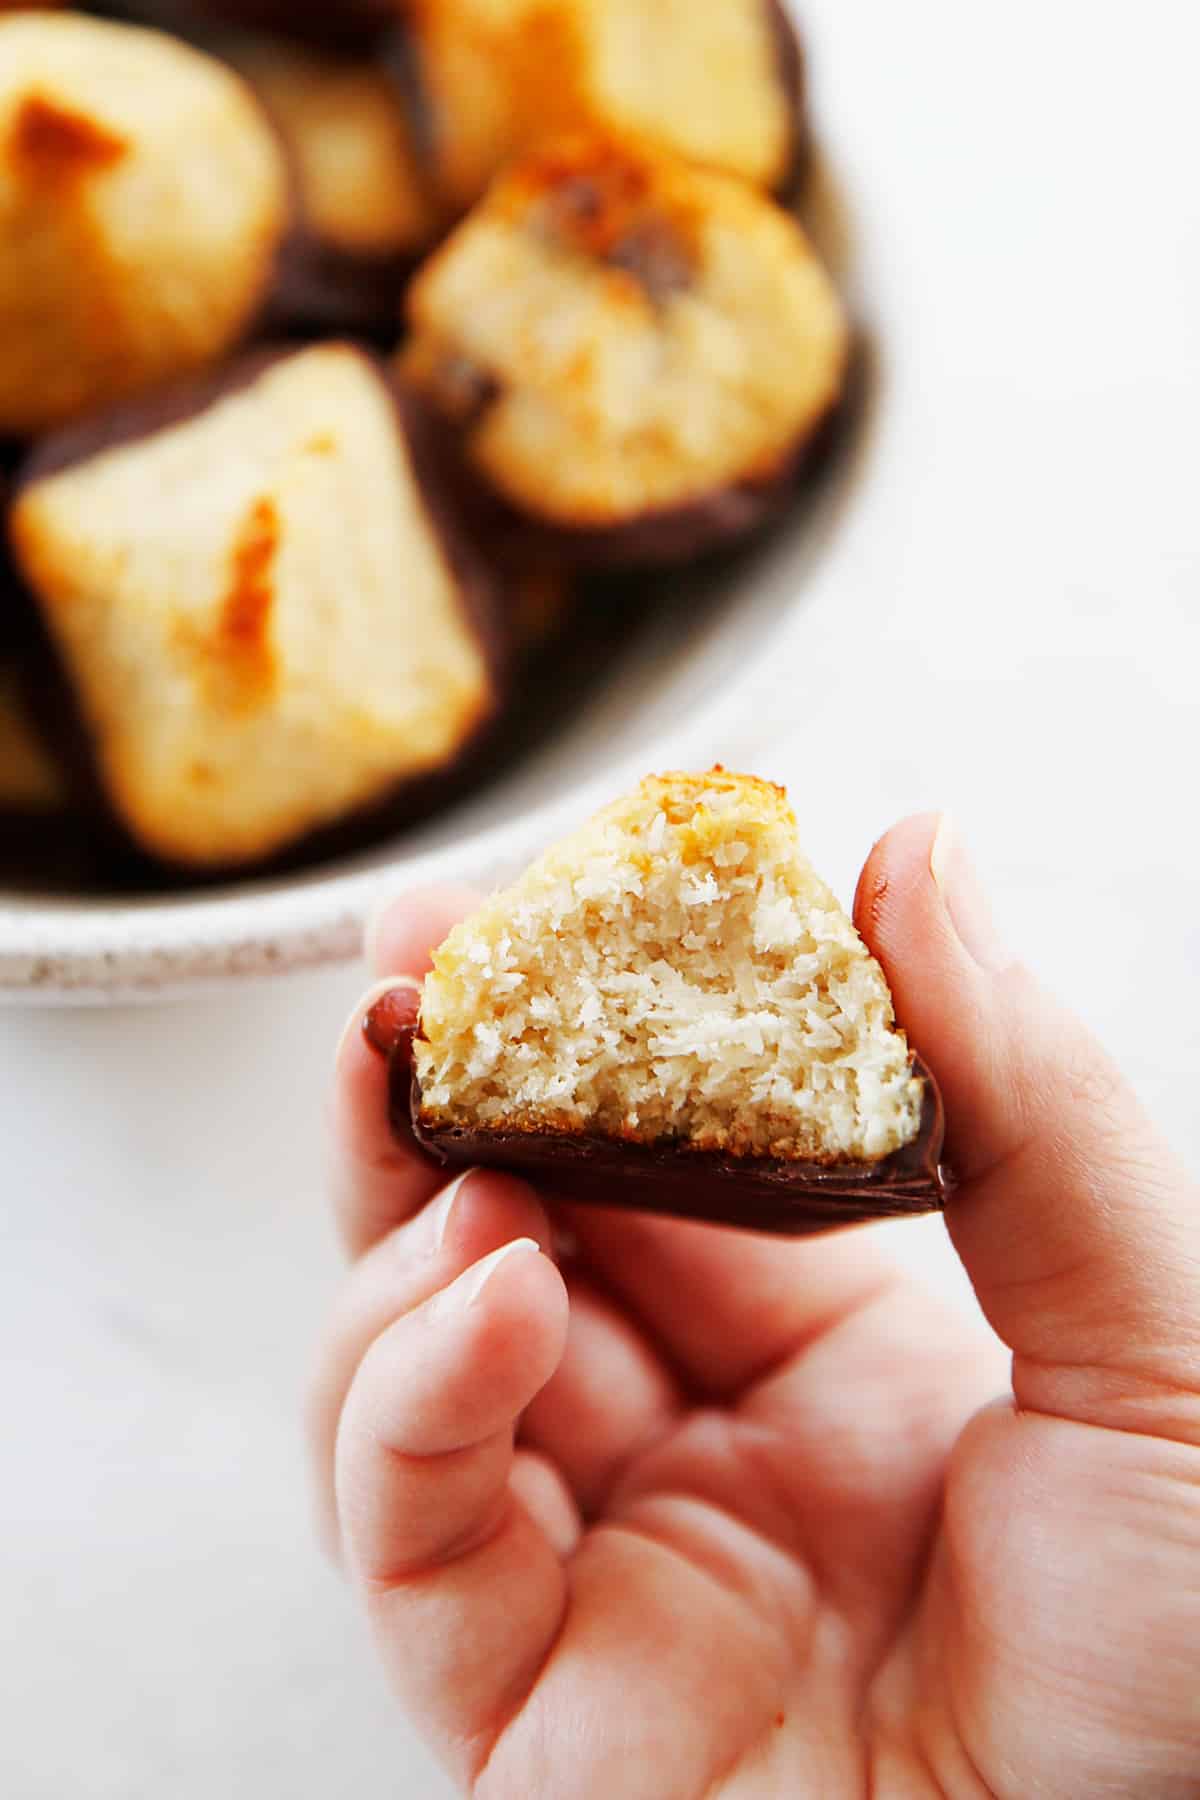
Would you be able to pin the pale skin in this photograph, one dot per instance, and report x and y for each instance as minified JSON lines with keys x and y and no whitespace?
{"x":680,"y":1513}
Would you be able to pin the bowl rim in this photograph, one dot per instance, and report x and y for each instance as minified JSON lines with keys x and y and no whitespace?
{"x":127,"y":950}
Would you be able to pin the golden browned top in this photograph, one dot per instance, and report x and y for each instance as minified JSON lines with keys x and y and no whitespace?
{"x":56,"y":142}
{"x":144,"y":198}
{"x":235,"y":657}
{"x":604,"y":197}
{"x":679,"y":794}
{"x":690,"y":803}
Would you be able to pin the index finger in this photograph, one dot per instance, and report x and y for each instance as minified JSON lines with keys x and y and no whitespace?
{"x":381,"y":1178}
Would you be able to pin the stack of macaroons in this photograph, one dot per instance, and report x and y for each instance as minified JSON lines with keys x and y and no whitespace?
{"x":337,"y":342}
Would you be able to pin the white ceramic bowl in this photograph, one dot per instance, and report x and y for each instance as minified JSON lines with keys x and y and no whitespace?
{"x":707,"y":678}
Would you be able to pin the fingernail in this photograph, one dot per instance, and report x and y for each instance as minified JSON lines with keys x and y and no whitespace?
{"x":393,"y":1012}
{"x":442,"y":1207}
{"x":469,"y":1287}
{"x":357,"y":1022}
{"x":955,"y":878}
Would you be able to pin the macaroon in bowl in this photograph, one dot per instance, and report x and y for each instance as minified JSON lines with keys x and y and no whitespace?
{"x":679,"y":666}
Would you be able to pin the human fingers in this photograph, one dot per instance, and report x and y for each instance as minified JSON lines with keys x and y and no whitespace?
{"x":725,"y":1305}
{"x":380,"y":1176}
{"x":465,"y":1590}
{"x":611,"y":1396}
{"x":403,"y":933}
{"x":1080,"y":1233}
{"x":473,"y":1215}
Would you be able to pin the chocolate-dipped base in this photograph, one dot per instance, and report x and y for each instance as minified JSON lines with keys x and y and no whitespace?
{"x":790,"y":71}
{"x":790,"y":1199}
{"x":334,"y":24}
{"x":793,"y":1199}
{"x":665,"y":537}
{"x":320,"y":287}
{"x":671,"y":536}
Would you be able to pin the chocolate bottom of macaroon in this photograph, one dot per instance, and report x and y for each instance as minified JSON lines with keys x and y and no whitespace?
{"x":790,"y":73}
{"x":790,"y":1199}
{"x":667,"y":537}
{"x":49,"y":853}
{"x":674,"y":536}
{"x":343,"y":24}
{"x":664,"y":537}
{"x":43,"y":845}
{"x":322,"y":287}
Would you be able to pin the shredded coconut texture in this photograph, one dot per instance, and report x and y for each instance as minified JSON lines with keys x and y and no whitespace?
{"x":609,"y":396}
{"x":675,"y":972}
{"x":256,"y":611}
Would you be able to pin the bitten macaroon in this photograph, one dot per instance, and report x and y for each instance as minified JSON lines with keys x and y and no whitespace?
{"x":717,"y":81}
{"x":636,"y":354}
{"x":143,"y":199}
{"x":669,"y":1009}
{"x":265,"y":609}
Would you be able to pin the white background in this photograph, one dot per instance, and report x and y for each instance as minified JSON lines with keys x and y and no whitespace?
{"x":1019,"y":642}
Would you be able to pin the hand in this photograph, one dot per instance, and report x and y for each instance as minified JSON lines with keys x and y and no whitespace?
{"x":761,"y":1534}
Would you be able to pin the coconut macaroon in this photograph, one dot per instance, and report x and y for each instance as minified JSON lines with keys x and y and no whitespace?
{"x":262,"y":605}
{"x":636,"y":353}
{"x":143,"y":197}
{"x":718,"y":81}
{"x":364,"y":215}
{"x":670,"y":1008}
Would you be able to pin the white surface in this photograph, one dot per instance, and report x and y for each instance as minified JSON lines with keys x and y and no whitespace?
{"x":1025,"y":603}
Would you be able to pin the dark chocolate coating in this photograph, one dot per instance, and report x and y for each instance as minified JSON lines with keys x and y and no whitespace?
{"x":49,"y":848}
{"x":661,"y":537}
{"x":789,"y":67}
{"x":321,"y":287}
{"x":792,"y":1199}
{"x":47,"y":852}
{"x":18,"y":618}
{"x":398,"y":53}
{"x":480,"y":592}
{"x":665,"y":537}
{"x":335,"y":23}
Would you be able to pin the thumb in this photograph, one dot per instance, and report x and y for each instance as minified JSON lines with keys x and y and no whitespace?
{"x":1080,"y":1233}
